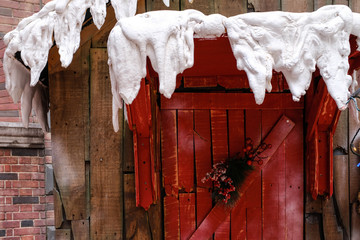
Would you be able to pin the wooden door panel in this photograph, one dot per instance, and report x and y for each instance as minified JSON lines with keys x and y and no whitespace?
{"x":273,"y":203}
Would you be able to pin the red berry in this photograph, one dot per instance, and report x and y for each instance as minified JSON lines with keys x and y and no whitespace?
{"x":248,"y":147}
{"x":249,"y":162}
{"x":260,"y":162}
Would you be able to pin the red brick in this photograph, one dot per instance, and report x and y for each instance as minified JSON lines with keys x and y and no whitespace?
{"x":42,"y":215}
{"x":1,"y":184}
{"x":5,"y":28}
{"x":21,"y":13}
{"x":37,"y":160}
{"x":11,"y":238}
{"x":39,"y":207}
{"x":9,"y":216}
{"x":47,"y":144}
{"x":50,"y":214}
{"x":39,"y":222}
{"x":26,"y":231}
{"x":7,"y":168}
{"x":2,"y":216}
{"x":27,"y":238}
{"x":8,"y":200}
{"x":11,"y":208}
{"x":26,"y":215}
{"x":42,"y":200}
{"x":8,"y":184}
{"x":26,"y":208}
{"x":50,"y":199}
{"x":2,"y":168}
{"x":42,"y":169}
{"x":9,"y":232}
{"x":8,"y":20}
{"x":39,"y":192}
{"x":2,"y":200}
{"x":9,"y":224}
{"x":48,"y":159}
{"x":9,"y":192}
{"x":24,"y":168}
{"x":24,"y":160}
{"x":50,"y":222}
{"x":25,"y":192}
{"x":37,"y":176}
{"x":25,"y":184}
{"x":9,"y":4}
{"x":40,"y":237}
{"x":42,"y":184}
{"x":7,"y":152}
{"x":25,"y":176}
{"x":36,"y":8}
{"x":25,"y":6}
{"x":8,"y":160}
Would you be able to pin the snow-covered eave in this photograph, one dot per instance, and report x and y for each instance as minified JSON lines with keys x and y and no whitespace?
{"x":291,"y":43}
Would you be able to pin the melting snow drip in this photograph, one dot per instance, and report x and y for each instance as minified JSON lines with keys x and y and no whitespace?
{"x":293,"y":43}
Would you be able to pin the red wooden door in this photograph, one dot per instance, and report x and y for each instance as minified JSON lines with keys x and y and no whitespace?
{"x":197,"y":134}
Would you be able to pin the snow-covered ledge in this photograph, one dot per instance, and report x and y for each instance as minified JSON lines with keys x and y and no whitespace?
{"x":293,"y":43}
{"x":14,"y":135}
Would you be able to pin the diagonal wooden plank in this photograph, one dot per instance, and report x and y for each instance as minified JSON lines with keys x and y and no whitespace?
{"x":219,"y":212}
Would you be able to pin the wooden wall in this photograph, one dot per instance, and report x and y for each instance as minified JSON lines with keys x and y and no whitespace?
{"x":93,"y":165}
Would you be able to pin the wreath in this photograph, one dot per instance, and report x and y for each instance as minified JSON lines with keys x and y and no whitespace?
{"x":227,"y":176}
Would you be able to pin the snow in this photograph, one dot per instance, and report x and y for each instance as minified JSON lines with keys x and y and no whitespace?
{"x":293,"y":43}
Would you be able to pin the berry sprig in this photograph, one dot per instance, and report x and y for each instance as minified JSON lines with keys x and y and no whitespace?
{"x":253,"y":154}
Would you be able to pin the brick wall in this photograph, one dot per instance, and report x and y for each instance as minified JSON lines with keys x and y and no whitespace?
{"x":26,"y":200}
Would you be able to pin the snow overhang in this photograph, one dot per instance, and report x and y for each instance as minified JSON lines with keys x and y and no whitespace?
{"x":291,"y":43}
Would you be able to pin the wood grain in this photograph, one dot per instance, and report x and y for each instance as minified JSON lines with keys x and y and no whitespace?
{"x":187,"y":215}
{"x":68,"y":90}
{"x":80,"y":229}
{"x":106,"y":179}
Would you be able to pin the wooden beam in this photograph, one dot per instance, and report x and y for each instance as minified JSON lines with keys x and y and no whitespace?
{"x":220,"y":212}
{"x":218,"y":101}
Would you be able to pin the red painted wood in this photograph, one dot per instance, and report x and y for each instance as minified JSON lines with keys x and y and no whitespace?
{"x":145,"y":184}
{"x":203,"y":204}
{"x":273,"y":185}
{"x":253,"y":194}
{"x":316,"y":107}
{"x":202,"y":141}
{"x":218,"y":213}
{"x":239,"y":81}
{"x":218,"y":101}
{"x":171,"y":218}
{"x":136,"y":166}
{"x":220,"y":153}
{"x":205,"y":64}
{"x":236,"y":145}
{"x":195,"y":82}
{"x":186,"y":149}
{"x":187,"y":215}
{"x":169,"y":152}
{"x":294,"y":170}
{"x":314,"y":166}
{"x":219,"y":135}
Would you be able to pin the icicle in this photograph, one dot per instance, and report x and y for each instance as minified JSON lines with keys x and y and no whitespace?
{"x":67,"y":29}
{"x":98,"y":12}
{"x":293,"y":43}
{"x":124,"y":8}
{"x":166,"y":37}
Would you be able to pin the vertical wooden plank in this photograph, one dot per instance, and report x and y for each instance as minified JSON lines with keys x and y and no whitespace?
{"x":187,"y":215}
{"x":354,"y":172}
{"x":202,"y":141}
{"x":105,"y":153}
{"x":355,"y":5}
{"x":171,"y":218}
{"x":320,"y":3}
{"x":136,"y":224}
{"x":236,"y":145}
{"x":62,"y":234}
{"x":297,"y":6}
{"x":330,"y":226}
{"x":219,"y":132}
{"x":253,"y":194}
{"x":186,"y":150}
{"x":205,"y":6}
{"x":273,"y":186}
{"x":294,"y":177}
{"x":80,"y":229}
{"x":153,"y":5}
{"x":128,"y":161}
{"x":169,"y":151}
{"x":342,"y":2}
{"x":264,"y":6}
{"x":69,"y":103}
{"x":230,"y":8}
{"x":58,"y":209}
